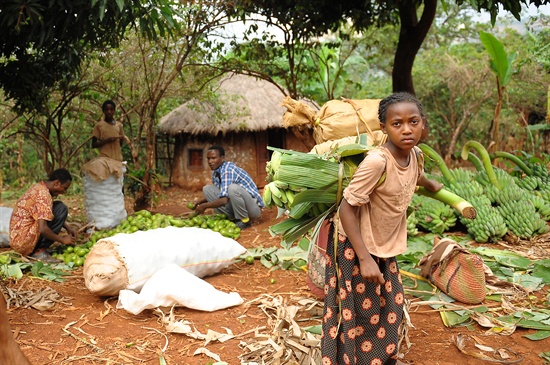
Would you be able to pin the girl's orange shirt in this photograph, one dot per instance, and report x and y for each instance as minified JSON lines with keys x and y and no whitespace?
{"x":382,"y":214}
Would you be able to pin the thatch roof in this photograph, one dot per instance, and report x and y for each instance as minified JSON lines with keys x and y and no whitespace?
{"x":245,"y":103}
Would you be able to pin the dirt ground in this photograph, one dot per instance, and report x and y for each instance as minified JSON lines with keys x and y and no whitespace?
{"x":86,"y":329}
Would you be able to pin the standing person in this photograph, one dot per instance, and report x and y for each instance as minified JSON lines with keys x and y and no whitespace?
{"x":232,"y":192}
{"x":37,"y":220}
{"x":364,"y":295}
{"x":108,"y":134}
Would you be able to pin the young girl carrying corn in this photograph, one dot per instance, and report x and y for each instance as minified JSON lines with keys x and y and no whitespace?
{"x":364,"y":294}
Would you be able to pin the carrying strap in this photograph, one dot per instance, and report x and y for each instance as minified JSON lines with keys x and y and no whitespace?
{"x":361,"y":118}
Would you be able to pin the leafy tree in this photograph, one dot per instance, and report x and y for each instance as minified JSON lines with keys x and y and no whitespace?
{"x":43,"y":42}
{"x":502,"y":66}
{"x":308,"y":19}
{"x":454,"y":88}
{"x":148,"y":72}
{"x":332,"y":60}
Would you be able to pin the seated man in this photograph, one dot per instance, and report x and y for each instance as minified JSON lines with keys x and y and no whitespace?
{"x":233,"y":192}
{"x":37,"y":220}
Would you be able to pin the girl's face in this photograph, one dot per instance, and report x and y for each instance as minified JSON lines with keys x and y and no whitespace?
{"x":403,"y":125}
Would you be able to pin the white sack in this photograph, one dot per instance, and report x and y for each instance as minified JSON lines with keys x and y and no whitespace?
{"x":173,"y":285}
{"x":104,"y":201}
{"x":5,"y":216}
{"x":127,"y":261}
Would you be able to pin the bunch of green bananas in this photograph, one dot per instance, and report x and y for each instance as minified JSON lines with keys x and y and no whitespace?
{"x":435,"y":216}
{"x":467,"y":189}
{"x":488,"y":226}
{"x":529,"y":183}
{"x":521,"y":216}
{"x":504,"y":179}
{"x":412,"y":221}
{"x":541,"y":206}
{"x":461,"y":175}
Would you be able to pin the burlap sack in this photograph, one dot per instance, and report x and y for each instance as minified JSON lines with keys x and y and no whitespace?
{"x":343,"y":118}
{"x":298,"y":113}
{"x":367,"y":140}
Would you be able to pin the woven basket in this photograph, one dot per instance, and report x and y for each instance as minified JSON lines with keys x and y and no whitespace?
{"x":460,"y":275}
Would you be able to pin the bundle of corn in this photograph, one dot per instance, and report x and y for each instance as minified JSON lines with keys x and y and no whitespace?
{"x":310,"y":187}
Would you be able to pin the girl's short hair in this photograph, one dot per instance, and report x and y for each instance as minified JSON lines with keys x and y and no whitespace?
{"x":399,"y":97}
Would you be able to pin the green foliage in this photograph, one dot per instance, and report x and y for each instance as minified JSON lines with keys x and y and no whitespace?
{"x":501,"y":62}
{"x":46,"y":42}
{"x":11,"y":266}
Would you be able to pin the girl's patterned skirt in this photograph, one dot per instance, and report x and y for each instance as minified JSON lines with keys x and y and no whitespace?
{"x":361,"y":319}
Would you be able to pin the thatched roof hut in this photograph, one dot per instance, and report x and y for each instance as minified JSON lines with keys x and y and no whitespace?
{"x":244,"y":104}
{"x":245,"y":117}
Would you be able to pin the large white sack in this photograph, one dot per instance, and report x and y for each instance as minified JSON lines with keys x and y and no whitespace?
{"x":127,"y":261}
{"x":5,"y":216}
{"x":173,"y":285}
{"x":104,"y":201}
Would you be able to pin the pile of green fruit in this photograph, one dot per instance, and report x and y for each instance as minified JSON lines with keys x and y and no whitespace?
{"x":143,"y":221}
{"x":73,"y":256}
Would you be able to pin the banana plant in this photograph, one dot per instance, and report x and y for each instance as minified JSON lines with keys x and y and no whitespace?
{"x":501,"y":64}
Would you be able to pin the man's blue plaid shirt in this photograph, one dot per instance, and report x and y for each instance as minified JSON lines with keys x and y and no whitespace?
{"x":228,"y":173}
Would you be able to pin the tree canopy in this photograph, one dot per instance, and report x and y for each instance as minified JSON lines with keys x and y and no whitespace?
{"x":309,"y":18}
{"x":44,"y":42}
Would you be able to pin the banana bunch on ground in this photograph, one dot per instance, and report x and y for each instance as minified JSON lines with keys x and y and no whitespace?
{"x":538,"y":192}
{"x":488,"y":226}
{"x":541,"y":206}
{"x":412,"y":222}
{"x":522,"y":219}
{"x":461,"y":175}
{"x":518,"y":211}
{"x":503,"y":178}
{"x":467,"y":189}
{"x":517,"y":202}
{"x":434,"y":216}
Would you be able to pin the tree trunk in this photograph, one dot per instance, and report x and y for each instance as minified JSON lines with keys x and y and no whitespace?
{"x":494,"y":144}
{"x":411,"y":36}
{"x":144,"y":196}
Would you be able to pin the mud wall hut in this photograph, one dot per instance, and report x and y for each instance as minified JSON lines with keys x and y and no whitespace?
{"x":245,"y":117}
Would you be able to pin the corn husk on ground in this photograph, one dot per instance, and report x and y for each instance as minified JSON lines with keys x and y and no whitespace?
{"x":515,"y":203}
{"x":309,"y":187}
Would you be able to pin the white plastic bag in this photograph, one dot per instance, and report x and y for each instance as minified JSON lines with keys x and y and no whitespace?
{"x":127,"y":261}
{"x":173,"y":285}
{"x":5,"y":216}
{"x":104,"y":201}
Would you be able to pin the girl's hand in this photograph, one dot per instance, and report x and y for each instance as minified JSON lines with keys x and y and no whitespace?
{"x":370,"y":271}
